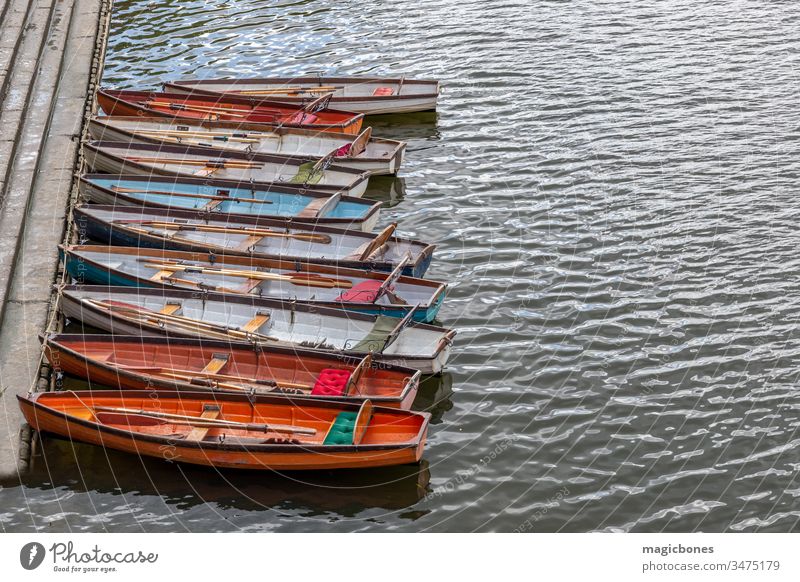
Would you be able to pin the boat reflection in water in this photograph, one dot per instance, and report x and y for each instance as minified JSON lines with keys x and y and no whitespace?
{"x":85,"y":468}
{"x":434,"y":395}
{"x":387,"y":189}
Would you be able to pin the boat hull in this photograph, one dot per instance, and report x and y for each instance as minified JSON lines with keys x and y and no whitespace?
{"x":102,"y":230}
{"x":94,"y":192}
{"x":99,"y":159}
{"x":427,"y":362}
{"x":114,"y":104}
{"x":275,"y":457}
{"x":102,"y":129}
{"x":85,"y":272}
{"x":420,"y":95}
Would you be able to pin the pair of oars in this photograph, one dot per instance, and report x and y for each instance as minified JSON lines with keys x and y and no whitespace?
{"x":220,"y":164}
{"x":308,"y":237}
{"x":289,"y":90}
{"x":187,"y":420}
{"x":196,"y":325}
{"x":122,"y":190}
{"x":307,"y":279}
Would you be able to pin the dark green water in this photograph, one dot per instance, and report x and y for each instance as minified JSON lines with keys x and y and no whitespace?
{"x":613,"y":188}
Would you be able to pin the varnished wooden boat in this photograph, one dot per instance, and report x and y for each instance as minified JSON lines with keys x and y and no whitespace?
{"x":144,"y":363}
{"x":143,"y":159}
{"x":369,"y":292}
{"x":231,"y":198}
{"x":363,"y":152}
{"x":159,"y":312}
{"x":315,"y":115}
{"x":260,"y":238}
{"x":232,"y":430}
{"x":368,"y":95}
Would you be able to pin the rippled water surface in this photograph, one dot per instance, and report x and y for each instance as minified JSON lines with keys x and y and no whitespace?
{"x":613,"y":189}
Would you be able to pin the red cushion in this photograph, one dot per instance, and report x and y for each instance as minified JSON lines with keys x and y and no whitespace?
{"x":302,"y":117}
{"x":364,"y":292}
{"x":383,"y":91}
{"x":331,"y":382}
{"x":343,"y":151}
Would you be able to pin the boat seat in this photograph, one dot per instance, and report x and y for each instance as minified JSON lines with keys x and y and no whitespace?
{"x":383,"y":92}
{"x":364,"y":292}
{"x":312,"y":209}
{"x":212,"y":204}
{"x":216,"y":364}
{"x":331,"y":382}
{"x":248,"y":242}
{"x":171,"y":308}
{"x":342,"y":429}
{"x":198,"y":433}
{"x":259,"y":320}
{"x":161,"y":275}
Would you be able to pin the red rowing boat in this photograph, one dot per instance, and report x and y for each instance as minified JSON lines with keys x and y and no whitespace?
{"x":223,"y":108}
{"x":232,"y":430}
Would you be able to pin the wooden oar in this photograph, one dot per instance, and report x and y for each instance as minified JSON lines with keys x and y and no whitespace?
{"x":197,"y":133}
{"x":310,"y":280}
{"x":289,"y":90}
{"x":180,"y":320}
{"x":196,"y":140}
{"x":239,"y":164}
{"x":200,"y":108}
{"x":195,"y":421}
{"x":316,"y":238}
{"x":188,"y":195}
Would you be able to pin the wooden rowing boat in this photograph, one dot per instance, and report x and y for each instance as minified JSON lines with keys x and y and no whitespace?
{"x":390,"y":295}
{"x":195,"y":231}
{"x":178,"y":160}
{"x":178,"y":363}
{"x":231,"y":199}
{"x":368,"y":95}
{"x":232,"y":430}
{"x":314,"y":115}
{"x":363,"y":152}
{"x":177,"y":313}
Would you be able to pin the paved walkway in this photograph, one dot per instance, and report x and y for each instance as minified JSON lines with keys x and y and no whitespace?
{"x":50,"y":52}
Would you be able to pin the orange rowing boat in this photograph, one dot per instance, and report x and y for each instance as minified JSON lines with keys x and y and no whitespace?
{"x":232,"y":430}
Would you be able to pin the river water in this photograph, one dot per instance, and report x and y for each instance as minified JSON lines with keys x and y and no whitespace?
{"x":613,"y":189}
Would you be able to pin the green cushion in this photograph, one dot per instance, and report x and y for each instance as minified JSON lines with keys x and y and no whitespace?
{"x":342,"y":431}
{"x":304,"y":175}
{"x":374,"y":340}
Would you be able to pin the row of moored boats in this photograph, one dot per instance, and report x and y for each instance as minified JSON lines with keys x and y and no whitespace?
{"x":246,"y":313}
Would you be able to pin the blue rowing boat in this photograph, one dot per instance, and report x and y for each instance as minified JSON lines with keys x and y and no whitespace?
{"x":232,"y":197}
